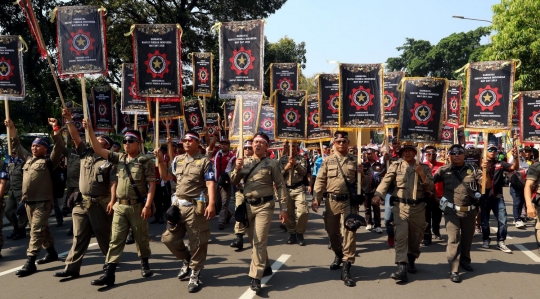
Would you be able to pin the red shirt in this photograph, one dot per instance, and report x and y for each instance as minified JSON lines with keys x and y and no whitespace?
{"x":223,"y":162}
{"x":438,"y":186}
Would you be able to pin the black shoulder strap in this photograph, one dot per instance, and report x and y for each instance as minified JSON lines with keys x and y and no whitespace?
{"x":349,"y":185}
{"x":132,"y":181}
{"x":251,"y":170}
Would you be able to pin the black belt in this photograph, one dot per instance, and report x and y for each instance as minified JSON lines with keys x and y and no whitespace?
{"x":258,"y":201}
{"x":339,"y":197}
{"x":408,"y":200}
{"x":296,"y":185}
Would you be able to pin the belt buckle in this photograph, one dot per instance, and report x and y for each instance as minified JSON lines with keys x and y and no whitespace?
{"x":463,"y":209}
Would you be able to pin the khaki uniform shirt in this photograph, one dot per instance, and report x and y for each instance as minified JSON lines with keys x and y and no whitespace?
{"x":329,"y":179}
{"x":73,"y":168}
{"x":37,"y":181}
{"x":533,"y":174}
{"x":452,"y":177}
{"x":261,"y":180}
{"x":92,"y":165}
{"x":15,"y":174}
{"x":300,"y":170}
{"x":403,"y":175}
{"x":142,"y":170}
{"x":191,"y":175}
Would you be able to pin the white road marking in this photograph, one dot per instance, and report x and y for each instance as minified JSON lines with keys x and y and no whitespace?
{"x":523,"y":249}
{"x":60,"y":255}
{"x":249,"y":294}
{"x":507,"y":236}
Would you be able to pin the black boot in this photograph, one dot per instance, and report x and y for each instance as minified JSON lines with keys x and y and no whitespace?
{"x":194,"y":282}
{"x":70,"y":232}
{"x":291,"y":239}
{"x":401,"y":274}
{"x":255,"y":285}
{"x":130,"y":240}
{"x":427,"y":240}
{"x":51,"y":256}
{"x":346,"y":275}
{"x":145,"y":268}
{"x":64,"y":274}
{"x":19,"y":234}
{"x":28,"y":268}
{"x":300,"y":238}
{"x":412,"y":267}
{"x":239,"y":243}
{"x":13,"y":233}
{"x":107,"y":278}
{"x":184,"y":271}
{"x":267,"y":271}
{"x":338,"y":259}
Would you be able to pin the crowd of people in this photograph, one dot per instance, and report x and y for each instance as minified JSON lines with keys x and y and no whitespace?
{"x":113,"y":193}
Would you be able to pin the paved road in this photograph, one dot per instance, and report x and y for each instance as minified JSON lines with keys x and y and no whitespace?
{"x":303,"y":274}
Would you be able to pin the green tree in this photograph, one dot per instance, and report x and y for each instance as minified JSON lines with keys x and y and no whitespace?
{"x":517,"y":37}
{"x":412,"y":59}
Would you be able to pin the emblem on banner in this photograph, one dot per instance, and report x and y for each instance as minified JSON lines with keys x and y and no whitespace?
{"x":81,"y":42}
{"x":242,"y":61}
{"x":126,"y":120}
{"x":422,"y":113}
{"x":247,"y":116}
{"x":211,"y":130}
{"x":157,"y":64}
{"x":267,"y":124}
{"x":285,"y":84}
{"x":333,"y":103}
{"x":5,"y":69}
{"x":389,"y":100}
{"x":194,"y":119}
{"x":488,"y":98}
{"x":291,"y":117}
{"x":514,"y":112}
{"x":454,"y":104}
{"x":103,"y":111}
{"x":203,"y":75}
{"x":535,"y":119}
{"x":447,"y":135}
{"x":132,"y":92}
{"x":361,"y":98}
{"x":314,"y":118}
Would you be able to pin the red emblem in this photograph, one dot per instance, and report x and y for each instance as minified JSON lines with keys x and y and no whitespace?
{"x":242,"y":61}
{"x":157,"y":64}
{"x":285,"y":84}
{"x":454,"y":104}
{"x":333,"y":103}
{"x":535,"y":119}
{"x":488,"y":98}
{"x":126,"y":120}
{"x":203,"y":75}
{"x":291,"y":117}
{"x":81,"y":42}
{"x":211,"y":129}
{"x":314,"y":118}
{"x":361,"y":98}
{"x":6,"y":69}
{"x":267,"y":124}
{"x":446,"y":135}
{"x":132,"y":90}
{"x":422,"y":113}
{"x":194,"y":119}
{"x":247,"y":116}
{"x":389,"y":101}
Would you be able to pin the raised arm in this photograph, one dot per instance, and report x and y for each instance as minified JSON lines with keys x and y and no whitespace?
{"x":73,"y":132}
{"x":59,"y":145}
{"x":98,"y":149}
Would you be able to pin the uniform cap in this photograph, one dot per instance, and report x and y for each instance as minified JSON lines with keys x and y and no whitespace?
{"x":353,"y":222}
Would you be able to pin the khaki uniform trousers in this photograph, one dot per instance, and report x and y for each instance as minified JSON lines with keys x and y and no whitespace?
{"x":297,"y":200}
{"x":40,"y":235}
{"x":259,"y":218}
{"x":1,"y":222}
{"x":88,"y":217}
{"x":336,"y":211}
{"x":239,"y":228}
{"x":409,"y":226}
{"x":13,"y":200}
{"x":198,"y":231}
{"x":124,"y":217}
{"x":460,"y":230}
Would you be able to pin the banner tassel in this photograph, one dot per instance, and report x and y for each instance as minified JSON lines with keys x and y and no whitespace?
{"x":181,"y":30}
{"x":52,"y":14}
{"x":215,"y":27}
{"x":131,"y":29}
{"x":25,"y":48}
{"x":102,"y":9}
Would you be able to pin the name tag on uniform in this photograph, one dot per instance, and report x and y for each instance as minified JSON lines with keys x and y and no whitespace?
{"x":100,"y":178}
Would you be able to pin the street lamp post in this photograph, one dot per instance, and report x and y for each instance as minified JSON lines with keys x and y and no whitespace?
{"x":464,"y":18}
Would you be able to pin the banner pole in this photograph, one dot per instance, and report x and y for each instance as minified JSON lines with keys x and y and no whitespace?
{"x":6,"y":105}
{"x":484,"y":170}
{"x":135,"y":122}
{"x":291,"y":171}
{"x":418,"y":151}
{"x":168,"y":127}
{"x":142,"y":149}
{"x":387,"y":146}
{"x":156,"y":127}
{"x":322,"y":149}
{"x":85,"y":106}
{"x":240,"y":126}
{"x":359,"y":155}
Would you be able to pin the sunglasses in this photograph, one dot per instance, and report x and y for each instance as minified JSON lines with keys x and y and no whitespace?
{"x":492,"y":150}
{"x":248,"y":148}
{"x":456,"y":153}
{"x":188,"y":140}
{"x":129,"y":140}
{"x":341,"y":141}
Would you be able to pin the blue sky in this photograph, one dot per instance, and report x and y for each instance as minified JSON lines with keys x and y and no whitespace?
{"x":361,"y":31}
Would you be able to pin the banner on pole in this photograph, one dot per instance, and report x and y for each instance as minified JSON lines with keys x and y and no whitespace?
{"x":81,"y":40}
{"x":284,"y":76}
{"x":422,"y":103}
{"x":241,"y":51}
{"x":251,"y":105}
{"x":77,"y":116}
{"x":391,"y":101}
{"x":314,"y":131}
{"x":447,"y":135}
{"x":131,"y":104}
{"x":516,"y":111}
{"x":203,"y":79}
{"x":213,"y":121}
{"x":142,"y":120}
{"x":158,"y":64}
{"x":291,"y":115}
{"x":266,"y":121}
{"x":360,"y":92}
{"x":490,"y":86}
{"x":193,"y":116}
{"x":11,"y":68}
{"x":228,"y":112}
{"x":162,"y":131}
{"x":453,"y":103}
{"x":123,"y":121}
{"x":530,"y":116}
{"x":166,"y":110}
{"x":329,"y":100}
{"x":103,"y":98}
{"x":28,"y":11}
